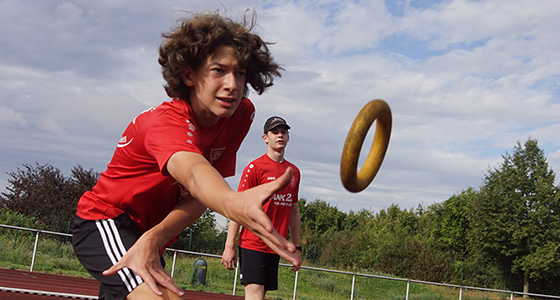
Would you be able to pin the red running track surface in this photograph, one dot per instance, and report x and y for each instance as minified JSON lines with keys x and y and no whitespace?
{"x":25,"y":285}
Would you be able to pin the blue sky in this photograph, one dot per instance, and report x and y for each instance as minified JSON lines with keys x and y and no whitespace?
{"x":466,"y":80}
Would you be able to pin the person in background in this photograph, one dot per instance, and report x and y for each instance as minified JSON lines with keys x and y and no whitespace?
{"x":258,"y":262}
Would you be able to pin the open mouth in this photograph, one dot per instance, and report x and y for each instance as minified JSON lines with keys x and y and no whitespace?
{"x":227,"y":100}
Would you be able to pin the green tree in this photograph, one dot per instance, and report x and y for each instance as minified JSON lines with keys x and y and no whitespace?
{"x":451,"y":223}
{"x":515,"y":219}
{"x":202,"y":235}
{"x":44,"y":193}
{"x":319,"y":223}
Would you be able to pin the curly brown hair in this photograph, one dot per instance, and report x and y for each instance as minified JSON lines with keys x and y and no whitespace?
{"x":195,"y":39}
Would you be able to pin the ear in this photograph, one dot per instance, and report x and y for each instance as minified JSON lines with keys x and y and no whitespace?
{"x":265,"y":138}
{"x":187,"y":77}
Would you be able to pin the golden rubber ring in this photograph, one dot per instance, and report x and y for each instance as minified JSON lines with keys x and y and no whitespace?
{"x":355,"y":181}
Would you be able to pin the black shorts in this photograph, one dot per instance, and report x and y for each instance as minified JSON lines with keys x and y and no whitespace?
{"x":259,"y":268}
{"x":99,"y":244}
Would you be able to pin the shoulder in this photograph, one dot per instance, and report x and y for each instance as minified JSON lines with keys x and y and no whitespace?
{"x":245,"y":110}
{"x":256,"y":163}
{"x":289,"y":164}
{"x":247,"y":104}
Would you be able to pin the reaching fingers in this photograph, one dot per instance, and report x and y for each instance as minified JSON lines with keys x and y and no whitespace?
{"x":113,"y":270}
{"x":283,"y":180}
{"x":149,"y":280}
{"x":281,"y":246}
{"x":153,"y":275}
{"x":163,"y":278}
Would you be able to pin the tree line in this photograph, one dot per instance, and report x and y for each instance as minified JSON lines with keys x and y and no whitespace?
{"x":503,"y":235}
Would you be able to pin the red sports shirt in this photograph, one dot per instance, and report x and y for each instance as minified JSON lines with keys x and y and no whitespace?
{"x":279,"y":206}
{"x":136,"y":180}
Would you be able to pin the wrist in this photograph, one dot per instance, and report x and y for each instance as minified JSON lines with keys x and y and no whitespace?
{"x":154,"y":238}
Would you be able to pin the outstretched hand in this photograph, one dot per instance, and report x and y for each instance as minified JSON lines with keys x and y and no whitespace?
{"x":248,"y":211}
{"x":143,"y":259}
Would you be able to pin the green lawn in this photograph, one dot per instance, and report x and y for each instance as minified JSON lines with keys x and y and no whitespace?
{"x":57,"y":256}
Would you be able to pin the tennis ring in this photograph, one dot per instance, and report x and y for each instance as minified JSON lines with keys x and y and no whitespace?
{"x":375,"y":109}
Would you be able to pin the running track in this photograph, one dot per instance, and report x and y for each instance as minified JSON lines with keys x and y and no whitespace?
{"x":25,"y":285}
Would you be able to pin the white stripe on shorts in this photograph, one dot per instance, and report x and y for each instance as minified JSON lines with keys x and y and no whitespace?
{"x":115,"y":251}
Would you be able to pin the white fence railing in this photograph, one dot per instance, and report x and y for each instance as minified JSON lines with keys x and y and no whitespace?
{"x":461,"y":288}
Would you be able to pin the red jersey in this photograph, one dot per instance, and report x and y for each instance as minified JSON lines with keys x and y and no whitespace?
{"x":278,"y":207}
{"x":136,"y":180}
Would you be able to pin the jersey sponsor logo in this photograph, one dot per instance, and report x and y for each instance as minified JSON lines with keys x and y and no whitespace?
{"x":123,"y":142}
{"x":282,"y":199}
{"x":271,"y":178}
{"x":215,"y":154}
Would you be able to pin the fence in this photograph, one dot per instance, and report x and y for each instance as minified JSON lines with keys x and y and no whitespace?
{"x":461,"y":288}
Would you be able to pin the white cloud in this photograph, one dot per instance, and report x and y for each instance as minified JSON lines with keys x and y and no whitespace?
{"x":9,"y":117}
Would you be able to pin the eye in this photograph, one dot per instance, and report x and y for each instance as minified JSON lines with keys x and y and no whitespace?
{"x":217,"y":70}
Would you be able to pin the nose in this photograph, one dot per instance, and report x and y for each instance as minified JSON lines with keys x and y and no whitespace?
{"x":230,"y":82}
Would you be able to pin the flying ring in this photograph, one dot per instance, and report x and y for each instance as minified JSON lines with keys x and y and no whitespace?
{"x":355,"y":181}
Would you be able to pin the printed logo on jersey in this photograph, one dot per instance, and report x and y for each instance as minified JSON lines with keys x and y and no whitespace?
{"x":215,"y":154}
{"x":271,"y":178}
{"x":123,"y":142}
{"x":282,"y":199}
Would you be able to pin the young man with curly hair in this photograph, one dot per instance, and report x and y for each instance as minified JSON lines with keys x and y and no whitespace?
{"x":170,"y":162}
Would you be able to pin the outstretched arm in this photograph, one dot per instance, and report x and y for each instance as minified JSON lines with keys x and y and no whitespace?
{"x":212,"y":191}
{"x":207,"y":185}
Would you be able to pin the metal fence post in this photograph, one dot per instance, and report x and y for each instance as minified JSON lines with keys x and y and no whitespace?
{"x":407,"y":289}
{"x":460,"y":293}
{"x":34,"y":251}
{"x":295,"y":285}
{"x":173,"y":265}
{"x":235,"y":278}
{"x":353,"y":284}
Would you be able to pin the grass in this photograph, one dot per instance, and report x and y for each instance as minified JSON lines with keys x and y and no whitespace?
{"x":57,"y":256}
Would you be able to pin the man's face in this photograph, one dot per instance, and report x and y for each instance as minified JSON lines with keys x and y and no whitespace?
{"x":216,"y":87}
{"x":278,"y":137}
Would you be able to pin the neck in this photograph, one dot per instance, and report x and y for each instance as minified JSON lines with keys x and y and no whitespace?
{"x":277,"y":156}
{"x":202,"y":115}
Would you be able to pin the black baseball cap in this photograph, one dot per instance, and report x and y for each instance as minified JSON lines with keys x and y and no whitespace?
{"x":273,"y":122}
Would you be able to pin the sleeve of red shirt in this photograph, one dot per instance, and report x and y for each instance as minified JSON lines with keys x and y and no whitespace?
{"x":170,"y":135}
{"x":249,"y":178}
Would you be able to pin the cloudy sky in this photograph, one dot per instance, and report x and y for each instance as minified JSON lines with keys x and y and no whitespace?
{"x":465,"y":80}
